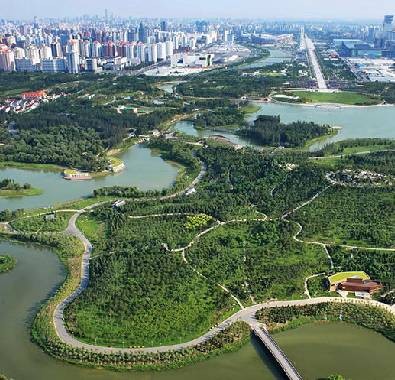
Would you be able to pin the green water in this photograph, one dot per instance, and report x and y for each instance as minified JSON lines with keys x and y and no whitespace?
{"x":355,"y":122}
{"x":319,"y":350}
{"x":143,"y":169}
{"x":189,"y":129}
{"x":276,"y":56}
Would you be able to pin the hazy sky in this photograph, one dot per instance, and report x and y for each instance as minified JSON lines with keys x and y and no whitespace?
{"x":266,"y":9}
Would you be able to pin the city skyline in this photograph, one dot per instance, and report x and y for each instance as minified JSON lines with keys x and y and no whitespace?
{"x":299,"y":9}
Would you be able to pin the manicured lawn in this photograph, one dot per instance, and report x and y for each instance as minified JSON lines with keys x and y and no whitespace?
{"x":342,"y":276}
{"x":343,"y":97}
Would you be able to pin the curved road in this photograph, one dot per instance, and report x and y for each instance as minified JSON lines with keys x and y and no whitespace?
{"x":246,"y":314}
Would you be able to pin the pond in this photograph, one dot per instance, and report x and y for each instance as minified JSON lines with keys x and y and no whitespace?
{"x":144,"y":169}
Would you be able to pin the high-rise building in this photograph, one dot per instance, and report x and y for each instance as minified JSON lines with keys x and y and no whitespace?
{"x":169,"y":48}
{"x":153,"y":53}
{"x":132,"y":35}
{"x":387,"y":24}
{"x":142,"y":33}
{"x":73,"y":62}
{"x":164,"y":27}
{"x":19,"y":53}
{"x":56,"y":49}
{"x":96,"y":49}
{"x":141,"y":52}
{"x":162,"y":51}
{"x":45,"y":52}
{"x":33,"y":53}
{"x":86,"y":49}
{"x":91,"y":65}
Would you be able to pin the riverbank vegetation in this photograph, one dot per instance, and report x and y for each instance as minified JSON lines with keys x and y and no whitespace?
{"x":170,"y":150}
{"x":371,"y":317}
{"x":268,"y":130}
{"x":9,"y":188}
{"x":7,"y":263}
{"x":356,"y":146}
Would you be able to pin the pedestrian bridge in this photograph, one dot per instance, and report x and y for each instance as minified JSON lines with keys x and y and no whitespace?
{"x":278,"y":354}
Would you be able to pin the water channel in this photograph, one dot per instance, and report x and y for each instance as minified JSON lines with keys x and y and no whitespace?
{"x":355,"y":122}
{"x":144,"y":170}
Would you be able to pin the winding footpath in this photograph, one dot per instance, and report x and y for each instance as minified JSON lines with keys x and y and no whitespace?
{"x":245,"y":314}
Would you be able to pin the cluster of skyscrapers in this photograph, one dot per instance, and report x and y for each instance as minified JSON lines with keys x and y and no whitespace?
{"x":76,"y":48}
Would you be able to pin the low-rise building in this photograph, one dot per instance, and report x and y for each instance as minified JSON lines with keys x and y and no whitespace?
{"x":359,"y":285}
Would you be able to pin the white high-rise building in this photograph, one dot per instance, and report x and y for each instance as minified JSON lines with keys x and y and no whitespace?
{"x":169,"y":48}
{"x":153,"y":53}
{"x":7,"y":61}
{"x":86,"y":49}
{"x":162,"y":51}
{"x":19,"y":53}
{"x":130,"y":51}
{"x":73,"y":46}
{"x":33,"y":53}
{"x":96,"y":49}
{"x":141,"y":52}
{"x":45,"y":52}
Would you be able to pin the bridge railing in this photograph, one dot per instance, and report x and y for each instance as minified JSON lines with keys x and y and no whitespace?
{"x":291,"y":372}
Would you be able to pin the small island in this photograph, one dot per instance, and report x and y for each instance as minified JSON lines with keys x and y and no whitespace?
{"x":10,"y":188}
{"x":7,"y":263}
{"x":270,"y":131}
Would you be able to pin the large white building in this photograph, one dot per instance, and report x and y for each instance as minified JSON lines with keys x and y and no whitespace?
{"x":33,"y":53}
{"x":7,"y":61}
{"x":169,"y":49}
{"x":153,"y":53}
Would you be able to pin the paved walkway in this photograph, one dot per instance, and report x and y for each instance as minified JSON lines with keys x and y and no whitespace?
{"x":246,"y":314}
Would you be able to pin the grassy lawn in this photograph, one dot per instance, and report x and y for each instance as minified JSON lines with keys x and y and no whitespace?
{"x":91,"y":228}
{"x":343,"y":97}
{"x":79,"y":204}
{"x":342,"y":276}
{"x":30,"y":166}
{"x":250,"y":108}
{"x":20,"y":193}
{"x":115,"y":161}
{"x":40,"y":224}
